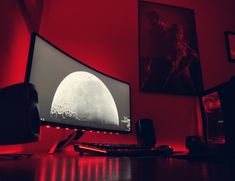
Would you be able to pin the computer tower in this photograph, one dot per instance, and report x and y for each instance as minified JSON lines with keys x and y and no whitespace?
{"x":145,"y":132}
{"x":19,"y":121}
{"x":218,"y":113}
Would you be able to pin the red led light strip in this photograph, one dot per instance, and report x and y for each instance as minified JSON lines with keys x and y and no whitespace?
{"x":83,"y":130}
{"x":93,"y":149}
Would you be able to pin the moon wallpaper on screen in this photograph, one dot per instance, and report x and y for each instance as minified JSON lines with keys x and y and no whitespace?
{"x":84,"y":99}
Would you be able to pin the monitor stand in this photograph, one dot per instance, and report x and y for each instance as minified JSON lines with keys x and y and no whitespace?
{"x":61,"y":145}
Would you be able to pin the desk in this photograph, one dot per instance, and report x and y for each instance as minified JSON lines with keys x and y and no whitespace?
{"x":63,"y":166}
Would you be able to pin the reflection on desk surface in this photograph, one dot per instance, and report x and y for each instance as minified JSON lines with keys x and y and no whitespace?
{"x":65,"y":167}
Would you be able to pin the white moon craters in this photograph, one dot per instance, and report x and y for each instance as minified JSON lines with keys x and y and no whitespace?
{"x":83,"y":99}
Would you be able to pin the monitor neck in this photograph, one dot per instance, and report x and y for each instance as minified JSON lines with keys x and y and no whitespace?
{"x":62,"y":144}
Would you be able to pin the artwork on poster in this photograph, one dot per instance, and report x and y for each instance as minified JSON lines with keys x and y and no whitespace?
{"x":168,"y":53}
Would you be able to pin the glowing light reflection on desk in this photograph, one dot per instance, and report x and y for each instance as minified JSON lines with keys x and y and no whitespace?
{"x":81,"y":168}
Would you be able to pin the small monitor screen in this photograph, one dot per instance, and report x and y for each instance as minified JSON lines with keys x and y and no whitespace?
{"x":72,"y":94}
{"x":214,"y":118}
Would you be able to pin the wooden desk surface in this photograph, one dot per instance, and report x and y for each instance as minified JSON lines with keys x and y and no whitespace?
{"x":56,"y":167}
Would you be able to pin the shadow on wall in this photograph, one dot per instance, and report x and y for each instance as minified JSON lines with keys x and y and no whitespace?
{"x":32,"y":12}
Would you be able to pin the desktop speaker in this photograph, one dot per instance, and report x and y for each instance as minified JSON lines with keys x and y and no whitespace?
{"x":195,"y":144}
{"x":20,"y":121}
{"x":145,"y":132}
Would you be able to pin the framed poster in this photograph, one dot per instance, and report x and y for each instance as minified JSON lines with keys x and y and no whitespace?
{"x":230,"y":43}
{"x":168,"y":52}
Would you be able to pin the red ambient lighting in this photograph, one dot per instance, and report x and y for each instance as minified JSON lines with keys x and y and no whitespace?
{"x":93,"y":149}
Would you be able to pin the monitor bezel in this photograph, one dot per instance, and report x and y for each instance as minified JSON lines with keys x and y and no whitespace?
{"x":68,"y":126}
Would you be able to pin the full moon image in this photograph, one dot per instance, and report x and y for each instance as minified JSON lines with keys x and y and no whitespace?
{"x":83,"y":99}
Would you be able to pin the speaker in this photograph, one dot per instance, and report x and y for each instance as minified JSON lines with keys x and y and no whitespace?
{"x":145,"y":132}
{"x":195,"y":144}
{"x":19,"y":114}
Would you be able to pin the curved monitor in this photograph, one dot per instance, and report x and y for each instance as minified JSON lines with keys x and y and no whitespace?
{"x":74,"y":95}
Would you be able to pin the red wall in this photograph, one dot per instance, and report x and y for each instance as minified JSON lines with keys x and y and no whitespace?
{"x":14,"y":43}
{"x":104,"y":35}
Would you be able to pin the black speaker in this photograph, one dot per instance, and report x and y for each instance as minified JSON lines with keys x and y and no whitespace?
{"x":195,"y":144}
{"x":145,"y":132}
{"x":19,"y":114}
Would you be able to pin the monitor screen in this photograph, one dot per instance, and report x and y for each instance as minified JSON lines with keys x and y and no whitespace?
{"x":74,"y":95}
{"x":213,"y":116}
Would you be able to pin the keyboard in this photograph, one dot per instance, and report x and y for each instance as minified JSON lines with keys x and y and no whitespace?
{"x":119,"y":149}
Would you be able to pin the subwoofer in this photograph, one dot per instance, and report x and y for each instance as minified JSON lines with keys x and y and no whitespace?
{"x":19,"y":114}
{"x":145,"y":132}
